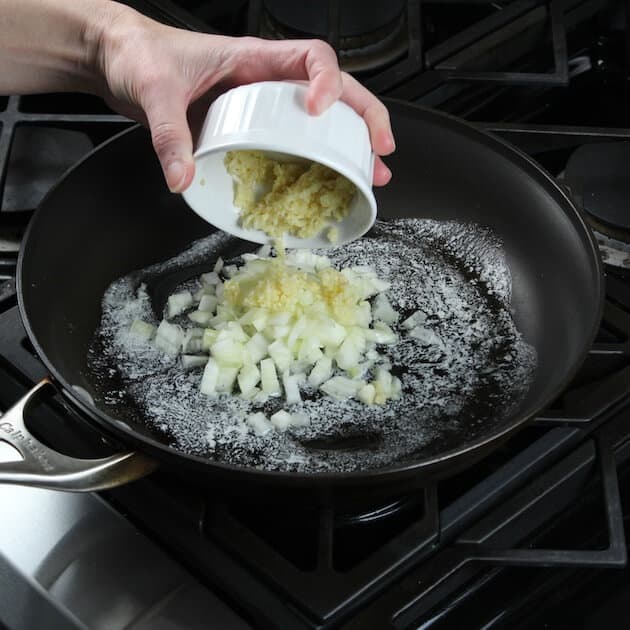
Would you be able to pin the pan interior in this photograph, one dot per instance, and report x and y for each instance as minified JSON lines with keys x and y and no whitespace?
{"x":112,"y":214}
{"x":466,"y":374}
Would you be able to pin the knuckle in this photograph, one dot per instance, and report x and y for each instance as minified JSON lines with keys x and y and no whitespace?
{"x":250,"y":50}
{"x":378,"y":109}
{"x":322,"y":48}
{"x":150,"y":78}
{"x":163,"y":135}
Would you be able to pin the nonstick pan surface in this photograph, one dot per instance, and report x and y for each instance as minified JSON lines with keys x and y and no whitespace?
{"x":112,"y":214}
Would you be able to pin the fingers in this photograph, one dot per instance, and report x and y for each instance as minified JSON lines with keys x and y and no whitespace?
{"x":325,"y":85}
{"x":382,"y":174}
{"x":262,"y":60}
{"x":166,"y":116}
{"x":315,"y":60}
{"x":373,"y":112}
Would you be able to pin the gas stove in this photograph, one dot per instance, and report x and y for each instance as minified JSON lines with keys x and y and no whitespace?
{"x":533,"y":536}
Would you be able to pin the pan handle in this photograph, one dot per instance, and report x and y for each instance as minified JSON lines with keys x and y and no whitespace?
{"x":43,"y":467}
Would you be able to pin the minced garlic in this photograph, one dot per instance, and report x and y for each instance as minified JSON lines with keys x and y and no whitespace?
{"x":296,"y":198}
{"x":278,"y":287}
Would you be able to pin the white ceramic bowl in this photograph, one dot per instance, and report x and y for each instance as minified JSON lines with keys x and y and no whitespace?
{"x":271,"y":117}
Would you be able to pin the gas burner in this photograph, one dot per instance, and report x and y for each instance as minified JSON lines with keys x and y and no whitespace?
{"x":596,"y":175}
{"x":614,"y":252}
{"x":367,"y":36}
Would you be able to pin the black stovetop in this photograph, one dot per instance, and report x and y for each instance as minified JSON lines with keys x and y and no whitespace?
{"x":530,"y":537}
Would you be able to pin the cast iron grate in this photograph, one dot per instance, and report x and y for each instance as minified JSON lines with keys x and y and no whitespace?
{"x":15,"y":119}
{"x":465,"y":567}
{"x":435,"y":53}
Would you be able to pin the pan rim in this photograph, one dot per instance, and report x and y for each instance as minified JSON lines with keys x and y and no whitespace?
{"x":118,"y":429}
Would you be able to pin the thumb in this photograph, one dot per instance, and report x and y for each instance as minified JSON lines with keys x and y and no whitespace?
{"x":171,"y":140}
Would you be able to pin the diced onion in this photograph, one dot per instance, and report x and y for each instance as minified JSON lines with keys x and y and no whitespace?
{"x":209,"y":338}
{"x":228,"y":352}
{"x":305,"y":259}
{"x":363,"y":314}
{"x":310,"y":347}
{"x":331,"y":333}
{"x":382,"y":333}
{"x":256,"y":317}
{"x":367,"y":394}
{"x":341,"y":387}
{"x":226,"y":379}
{"x":248,"y":378}
{"x":277,"y":332}
{"x":210,"y":378}
{"x":414,"y":320}
{"x":380,"y":285}
{"x":256,"y":348}
{"x":299,"y":420}
{"x":208,"y":303}
{"x":260,"y":398}
{"x":291,"y":384}
{"x":143,"y":330}
{"x":425,"y":336}
{"x":252,"y":394}
{"x":258,"y":421}
{"x":269,"y":378}
{"x":190,"y":362}
{"x":178,"y":303}
{"x":206,"y":289}
{"x":280,"y":319}
{"x":200,"y":317}
{"x":348,"y":355}
{"x":281,"y":420}
{"x":211,"y":278}
{"x":281,"y":355}
{"x":321,"y":372}
{"x":302,"y":318}
{"x":297,"y":331}
{"x":235,"y":331}
{"x":383,"y":310}
{"x":192,"y":342}
{"x":169,"y":338}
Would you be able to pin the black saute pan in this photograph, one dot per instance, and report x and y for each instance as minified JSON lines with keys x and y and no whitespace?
{"x":111,"y":214}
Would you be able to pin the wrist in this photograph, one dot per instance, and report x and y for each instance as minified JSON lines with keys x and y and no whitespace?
{"x":106,"y":30}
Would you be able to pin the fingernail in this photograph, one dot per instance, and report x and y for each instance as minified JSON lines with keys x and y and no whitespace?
{"x":175,"y":176}
{"x":313,"y":106}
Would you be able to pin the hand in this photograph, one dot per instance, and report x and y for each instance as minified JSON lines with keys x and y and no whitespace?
{"x":158,"y":75}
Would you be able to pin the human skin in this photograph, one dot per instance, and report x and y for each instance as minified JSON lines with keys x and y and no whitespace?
{"x":162,"y":76}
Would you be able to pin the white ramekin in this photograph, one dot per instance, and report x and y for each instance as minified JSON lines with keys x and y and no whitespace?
{"x":271,"y":117}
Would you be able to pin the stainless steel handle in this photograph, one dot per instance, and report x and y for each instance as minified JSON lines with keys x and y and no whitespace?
{"x":43,"y":467}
